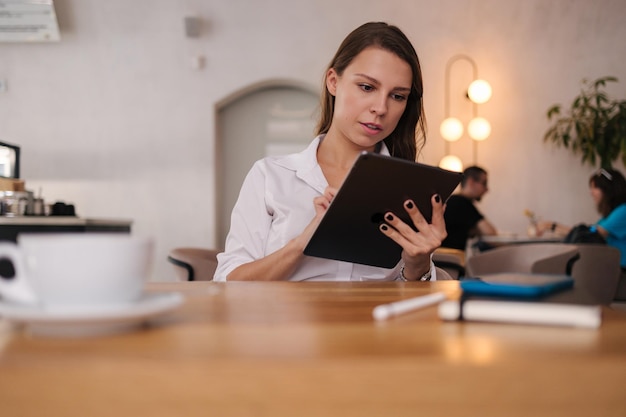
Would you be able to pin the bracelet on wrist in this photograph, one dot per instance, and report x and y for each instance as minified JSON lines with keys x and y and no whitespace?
{"x":425,"y":277}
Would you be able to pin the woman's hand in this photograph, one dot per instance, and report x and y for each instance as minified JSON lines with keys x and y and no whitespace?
{"x":417,"y":246}
{"x":556,"y":229}
{"x":281,"y":264}
{"x":321,"y":204}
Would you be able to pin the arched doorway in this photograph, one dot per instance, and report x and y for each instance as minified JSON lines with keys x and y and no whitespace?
{"x":269,"y":118}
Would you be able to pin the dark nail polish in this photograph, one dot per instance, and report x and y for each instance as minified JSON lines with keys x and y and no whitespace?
{"x":437,"y":198}
{"x":389,"y":217}
{"x":384,"y":226}
{"x":409,"y":204}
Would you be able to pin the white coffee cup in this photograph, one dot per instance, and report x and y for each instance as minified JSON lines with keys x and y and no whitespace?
{"x":76,"y":269}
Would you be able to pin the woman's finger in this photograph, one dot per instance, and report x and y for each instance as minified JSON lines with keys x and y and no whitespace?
{"x":416,"y":216}
{"x":427,"y":238}
{"x":438,"y":221}
{"x":330,"y":193}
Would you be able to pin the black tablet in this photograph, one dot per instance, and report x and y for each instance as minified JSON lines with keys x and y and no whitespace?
{"x":375,"y":185}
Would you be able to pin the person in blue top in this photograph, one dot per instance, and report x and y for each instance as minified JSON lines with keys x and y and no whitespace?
{"x":608,"y":191}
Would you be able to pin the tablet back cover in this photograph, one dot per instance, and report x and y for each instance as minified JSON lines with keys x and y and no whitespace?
{"x":375,"y":185}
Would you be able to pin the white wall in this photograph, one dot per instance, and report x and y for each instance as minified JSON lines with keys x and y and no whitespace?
{"x":114,"y":119}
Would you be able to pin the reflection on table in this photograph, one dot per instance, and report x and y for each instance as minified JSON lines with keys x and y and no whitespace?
{"x":312,"y":349}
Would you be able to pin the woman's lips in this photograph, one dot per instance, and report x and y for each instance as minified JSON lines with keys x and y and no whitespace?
{"x":372,"y":128}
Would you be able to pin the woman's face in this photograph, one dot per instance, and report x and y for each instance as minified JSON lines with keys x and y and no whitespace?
{"x":596,"y":193}
{"x":370,"y":97}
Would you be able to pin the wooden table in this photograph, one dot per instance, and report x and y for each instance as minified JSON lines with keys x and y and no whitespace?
{"x":312,"y":349}
{"x":495,"y":241}
{"x":519,"y":239}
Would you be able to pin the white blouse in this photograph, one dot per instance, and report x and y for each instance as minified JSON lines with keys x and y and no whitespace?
{"x":275,"y":204}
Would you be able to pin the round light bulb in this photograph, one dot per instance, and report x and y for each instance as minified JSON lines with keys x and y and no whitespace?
{"x":479,"y":91}
{"x":479,"y":128}
{"x":451,"y":129}
{"x":451,"y":163}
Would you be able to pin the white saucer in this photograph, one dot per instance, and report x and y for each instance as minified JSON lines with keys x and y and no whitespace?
{"x":88,"y":320}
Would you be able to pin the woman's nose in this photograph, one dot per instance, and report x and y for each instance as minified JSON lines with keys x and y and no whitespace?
{"x":379,"y":106}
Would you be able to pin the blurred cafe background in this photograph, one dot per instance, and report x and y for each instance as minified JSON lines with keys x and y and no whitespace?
{"x":154,"y":110}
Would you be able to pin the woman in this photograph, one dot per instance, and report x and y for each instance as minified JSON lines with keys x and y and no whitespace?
{"x":608,"y":191}
{"x":372,"y":101}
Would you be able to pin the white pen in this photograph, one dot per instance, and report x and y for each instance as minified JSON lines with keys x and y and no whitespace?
{"x":384,"y":311}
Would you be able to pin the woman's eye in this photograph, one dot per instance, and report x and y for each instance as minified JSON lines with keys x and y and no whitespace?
{"x":366,"y":87}
{"x":398,"y":97}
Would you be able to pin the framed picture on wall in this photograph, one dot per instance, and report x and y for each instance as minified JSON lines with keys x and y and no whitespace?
{"x":28,"y":21}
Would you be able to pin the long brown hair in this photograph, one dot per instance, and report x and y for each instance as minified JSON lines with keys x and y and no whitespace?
{"x":613,"y":186}
{"x":403,"y":141}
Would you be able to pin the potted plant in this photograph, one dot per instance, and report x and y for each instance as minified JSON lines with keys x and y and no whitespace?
{"x":594,"y":126}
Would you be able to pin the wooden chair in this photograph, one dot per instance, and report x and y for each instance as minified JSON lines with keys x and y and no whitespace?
{"x":620,"y":293}
{"x":194,"y":264}
{"x":450,"y":260}
{"x":598,"y":271}
{"x":538,"y":258}
{"x":443,"y":275}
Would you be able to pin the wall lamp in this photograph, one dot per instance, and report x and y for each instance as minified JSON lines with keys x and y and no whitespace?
{"x":451,"y":129}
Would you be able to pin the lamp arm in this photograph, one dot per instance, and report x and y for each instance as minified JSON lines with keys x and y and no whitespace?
{"x":451,"y":61}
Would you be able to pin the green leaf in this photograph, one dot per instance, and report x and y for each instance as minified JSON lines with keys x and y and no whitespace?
{"x":554,"y":111}
{"x":594,"y":126}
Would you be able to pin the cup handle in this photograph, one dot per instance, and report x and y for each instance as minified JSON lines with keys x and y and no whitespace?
{"x":16,"y":288}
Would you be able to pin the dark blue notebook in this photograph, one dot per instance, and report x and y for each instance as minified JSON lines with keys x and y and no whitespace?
{"x":516,"y":285}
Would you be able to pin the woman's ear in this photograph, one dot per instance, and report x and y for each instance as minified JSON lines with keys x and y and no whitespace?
{"x":331,"y":81}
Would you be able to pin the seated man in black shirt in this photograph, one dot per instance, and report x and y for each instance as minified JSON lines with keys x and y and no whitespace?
{"x":463,"y":220}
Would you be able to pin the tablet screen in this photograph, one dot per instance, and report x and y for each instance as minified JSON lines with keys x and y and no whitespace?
{"x":376,"y":184}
